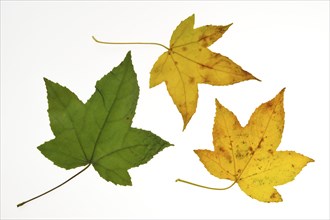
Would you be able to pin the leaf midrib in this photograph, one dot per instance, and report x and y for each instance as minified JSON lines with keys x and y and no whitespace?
{"x":106,"y":118}
{"x":261,"y":140}
{"x":116,"y":151}
{"x":72,"y":121}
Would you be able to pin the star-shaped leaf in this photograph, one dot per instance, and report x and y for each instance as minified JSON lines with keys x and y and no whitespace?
{"x":99,"y":133}
{"x":189,"y":62}
{"x":247,"y":155}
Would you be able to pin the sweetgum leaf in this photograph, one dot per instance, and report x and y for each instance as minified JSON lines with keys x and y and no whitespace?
{"x":188,"y":62}
{"x":248,"y":155}
{"x":99,"y":133}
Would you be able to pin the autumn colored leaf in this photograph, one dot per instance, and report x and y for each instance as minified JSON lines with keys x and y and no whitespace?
{"x":247,"y":155}
{"x":99,"y":133}
{"x":189,"y":62}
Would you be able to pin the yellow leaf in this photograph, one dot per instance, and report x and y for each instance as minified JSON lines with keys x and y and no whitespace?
{"x":188,"y":62}
{"x":248,"y":156}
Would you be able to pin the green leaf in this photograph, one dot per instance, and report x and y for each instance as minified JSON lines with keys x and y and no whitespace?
{"x":99,"y":133}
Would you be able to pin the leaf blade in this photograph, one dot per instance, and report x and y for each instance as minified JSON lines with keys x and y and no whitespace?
{"x":63,"y":153}
{"x":64,"y":109}
{"x":283,"y":167}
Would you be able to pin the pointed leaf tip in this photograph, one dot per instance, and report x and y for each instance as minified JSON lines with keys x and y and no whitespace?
{"x":192,"y":16}
{"x":218,"y":104}
{"x":184,"y":125}
{"x":48,"y":83}
{"x":226,"y":27}
{"x":280,"y":94}
{"x":129,"y":54}
{"x":46,"y":80}
{"x":128,"y":57}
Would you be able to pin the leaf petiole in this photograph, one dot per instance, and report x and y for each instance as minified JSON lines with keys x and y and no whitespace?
{"x":205,"y":187}
{"x":22,"y":203}
{"x":144,"y":43}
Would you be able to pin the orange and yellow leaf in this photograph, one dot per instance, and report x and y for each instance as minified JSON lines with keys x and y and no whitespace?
{"x":248,"y":156}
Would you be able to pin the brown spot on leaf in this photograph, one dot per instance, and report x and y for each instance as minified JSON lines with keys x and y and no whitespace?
{"x":184,"y":48}
{"x":205,"y":79}
{"x":273,"y":196}
{"x":251,"y":150}
{"x":269,"y":104}
{"x":292,"y":165}
{"x":259,"y":145}
{"x":239,"y":155}
{"x":201,"y":37}
{"x":216,"y":56}
{"x":270,"y":151}
{"x":191,"y":80}
{"x":203,"y":66}
{"x":222,"y":149}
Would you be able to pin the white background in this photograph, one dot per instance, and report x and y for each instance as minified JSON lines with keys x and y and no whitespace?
{"x":285,"y":44}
